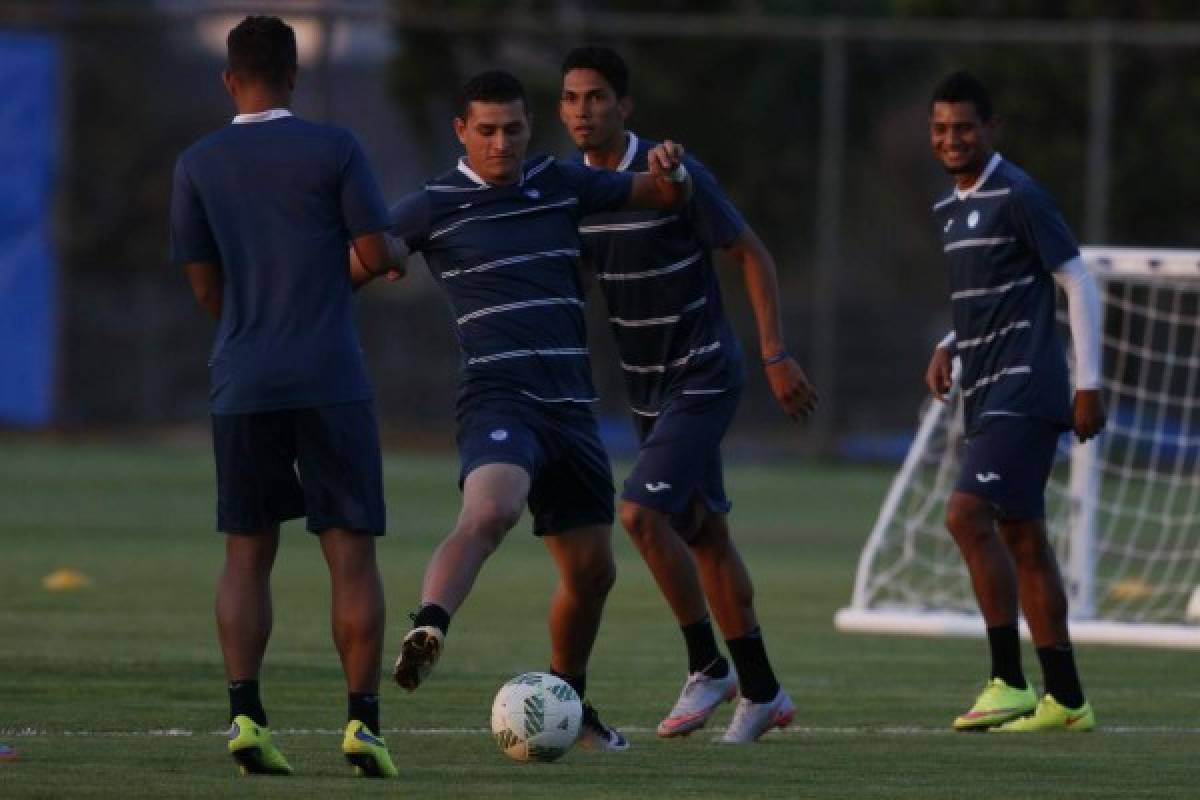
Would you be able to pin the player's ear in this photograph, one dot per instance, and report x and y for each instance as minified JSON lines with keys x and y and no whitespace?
{"x":460,"y":129}
{"x":230,"y":80}
{"x":625,"y":106}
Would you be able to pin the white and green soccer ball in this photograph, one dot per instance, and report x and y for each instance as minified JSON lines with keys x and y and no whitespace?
{"x":536,"y":717}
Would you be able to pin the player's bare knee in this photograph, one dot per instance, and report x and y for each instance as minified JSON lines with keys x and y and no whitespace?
{"x":1029,"y":546}
{"x":488,"y":522}
{"x":968,"y":524}
{"x":644,"y":525}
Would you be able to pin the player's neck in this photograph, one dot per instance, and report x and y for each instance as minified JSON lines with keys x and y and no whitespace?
{"x":609,"y":154}
{"x":967,"y":179}
{"x":255,"y":100}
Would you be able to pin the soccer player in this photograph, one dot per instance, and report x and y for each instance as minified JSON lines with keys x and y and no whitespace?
{"x":684,"y":374}
{"x":262,"y":215}
{"x":500,"y":235}
{"x":1007,"y":247}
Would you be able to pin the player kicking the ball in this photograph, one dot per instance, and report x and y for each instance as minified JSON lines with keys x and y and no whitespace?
{"x":684,"y":374}
{"x":1007,"y":246}
{"x":500,"y":235}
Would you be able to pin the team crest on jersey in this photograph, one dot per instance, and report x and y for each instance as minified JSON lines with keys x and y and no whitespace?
{"x":532,"y":194}
{"x":972,"y":219}
{"x":499,"y":435}
{"x":949,"y":222}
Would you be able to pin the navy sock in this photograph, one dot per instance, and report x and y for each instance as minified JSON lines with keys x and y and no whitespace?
{"x":576,"y":682}
{"x":244,"y":700}
{"x":364,"y":707}
{"x":1058,"y":670}
{"x":432,"y":614}
{"x":755,"y":676}
{"x":702,"y":647}
{"x":1005,"y":645}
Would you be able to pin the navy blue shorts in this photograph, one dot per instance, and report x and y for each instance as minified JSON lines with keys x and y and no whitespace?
{"x":679,"y":461}
{"x":1007,"y":461}
{"x":321,"y":463}
{"x":559,"y":446}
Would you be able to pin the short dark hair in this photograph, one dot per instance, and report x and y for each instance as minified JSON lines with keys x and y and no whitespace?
{"x":604,"y":60}
{"x":263,"y":48}
{"x":493,"y":86}
{"x":963,"y":87}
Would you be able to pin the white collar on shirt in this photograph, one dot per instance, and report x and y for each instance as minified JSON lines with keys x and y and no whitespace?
{"x":474,"y":176}
{"x":993,"y":162}
{"x":631,"y":147}
{"x":262,"y":116}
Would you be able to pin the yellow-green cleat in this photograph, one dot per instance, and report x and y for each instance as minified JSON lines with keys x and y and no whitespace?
{"x":1052,"y":715}
{"x":997,"y":704}
{"x":251,"y":747}
{"x":366,"y":752}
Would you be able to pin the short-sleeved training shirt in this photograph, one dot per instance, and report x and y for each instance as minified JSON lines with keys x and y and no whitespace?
{"x":664,"y":301}
{"x":275,"y":204}
{"x":1003,"y":238}
{"x":507,"y":257}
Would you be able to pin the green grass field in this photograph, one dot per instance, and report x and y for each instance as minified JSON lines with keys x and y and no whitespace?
{"x":92,"y":681}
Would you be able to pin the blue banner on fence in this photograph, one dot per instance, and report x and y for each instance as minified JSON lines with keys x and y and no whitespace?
{"x":28,"y":274}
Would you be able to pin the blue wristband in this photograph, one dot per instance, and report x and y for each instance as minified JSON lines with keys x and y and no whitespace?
{"x":782,"y":355}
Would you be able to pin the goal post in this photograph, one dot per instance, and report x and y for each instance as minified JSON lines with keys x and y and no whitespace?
{"x":1123,"y":510}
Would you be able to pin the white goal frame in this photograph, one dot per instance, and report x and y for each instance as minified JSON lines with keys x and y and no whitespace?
{"x":1128,"y":265}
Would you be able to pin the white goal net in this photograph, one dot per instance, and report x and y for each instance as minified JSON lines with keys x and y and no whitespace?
{"x":1123,"y":510}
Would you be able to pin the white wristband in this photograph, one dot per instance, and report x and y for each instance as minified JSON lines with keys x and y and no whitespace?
{"x":678,"y":175}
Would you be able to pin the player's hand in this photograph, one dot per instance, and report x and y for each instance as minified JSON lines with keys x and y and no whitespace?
{"x":1088,"y":414}
{"x":663,"y":158}
{"x":939,"y":376}
{"x":792,"y":389}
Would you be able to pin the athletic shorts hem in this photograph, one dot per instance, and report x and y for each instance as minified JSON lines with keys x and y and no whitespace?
{"x":574,"y":522}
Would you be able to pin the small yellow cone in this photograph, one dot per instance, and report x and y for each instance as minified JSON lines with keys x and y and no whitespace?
{"x":65,"y":580}
{"x":1131,"y":589}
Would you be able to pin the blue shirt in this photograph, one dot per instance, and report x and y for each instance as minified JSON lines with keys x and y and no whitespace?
{"x":275,"y":204}
{"x":664,"y":299}
{"x":507,"y":257}
{"x":1004,"y":238}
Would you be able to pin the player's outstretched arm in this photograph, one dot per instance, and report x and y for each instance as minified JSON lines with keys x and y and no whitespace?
{"x":207,"y":284}
{"x":939,"y":375}
{"x":375,"y":254}
{"x":1084,"y":311}
{"x":790,"y":385}
{"x":667,"y":186}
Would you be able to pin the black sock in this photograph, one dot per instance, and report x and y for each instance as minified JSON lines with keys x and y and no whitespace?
{"x":432,"y":614}
{"x":1060,"y":675}
{"x":1006,"y":655}
{"x":701,"y":646}
{"x":755,"y":677}
{"x":364,"y":707}
{"x":576,"y":682}
{"x":244,"y":700}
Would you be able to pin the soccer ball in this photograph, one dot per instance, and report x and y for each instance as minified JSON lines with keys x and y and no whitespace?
{"x":535,"y":717}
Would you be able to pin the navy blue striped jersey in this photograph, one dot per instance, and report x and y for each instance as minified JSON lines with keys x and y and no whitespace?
{"x":664,"y":300}
{"x":1004,"y":237}
{"x":507,"y":257}
{"x":275,"y":203}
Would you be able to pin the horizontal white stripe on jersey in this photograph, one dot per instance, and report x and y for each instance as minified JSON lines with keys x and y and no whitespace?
{"x":651,"y":321}
{"x":628,"y":226}
{"x":703,"y":391}
{"x":992,"y":241}
{"x":1000,"y":413}
{"x":642,"y":412}
{"x":540,"y":399}
{"x":546,"y":301}
{"x":651,"y":273}
{"x":995,"y":376}
{"x":1021,"y":323}
{"x":445,"y":187}
{"x":553,"y":351}
{"x":504,"y":262}
{"x":992,"y":192}
{"x":945,"y":201}
{"x":679,"y":362}
{"x":1001,"y":289}
{"x":535,"y":170}
{"x":570,"y":201}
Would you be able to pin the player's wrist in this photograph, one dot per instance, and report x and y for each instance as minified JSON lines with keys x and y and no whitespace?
{"x":777,"y":358}
{"x":677,"y":175}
